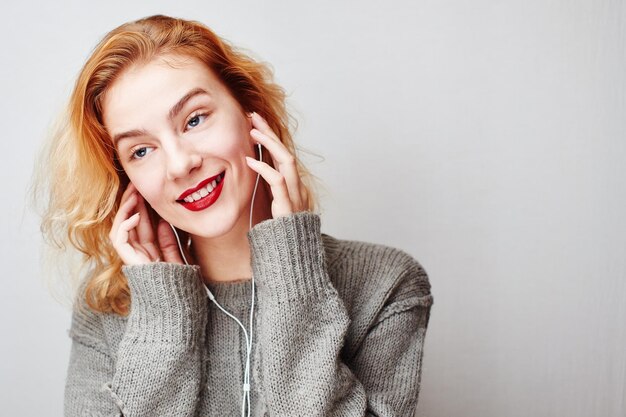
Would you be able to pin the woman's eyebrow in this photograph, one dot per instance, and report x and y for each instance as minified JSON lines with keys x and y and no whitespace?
{"x":172,"y":114}
{"x":179,"y":106}
{"x":129,"y":134}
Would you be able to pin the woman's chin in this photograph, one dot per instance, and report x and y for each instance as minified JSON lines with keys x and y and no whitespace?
{"x":217,"y":228}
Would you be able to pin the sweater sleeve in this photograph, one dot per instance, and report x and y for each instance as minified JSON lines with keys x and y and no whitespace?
{"x":302,"y":327}
{"x":157,"y":368}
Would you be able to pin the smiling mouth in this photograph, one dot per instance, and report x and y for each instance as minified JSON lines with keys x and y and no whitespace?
{"x":203,"y":189}
{"x":203,"y":196}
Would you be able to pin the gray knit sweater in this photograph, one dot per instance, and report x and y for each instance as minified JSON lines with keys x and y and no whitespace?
{"x":339,"y":331}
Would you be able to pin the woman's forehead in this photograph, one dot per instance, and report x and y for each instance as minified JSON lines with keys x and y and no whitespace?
{"x":156,"y":86}
{"x":167,"y":68}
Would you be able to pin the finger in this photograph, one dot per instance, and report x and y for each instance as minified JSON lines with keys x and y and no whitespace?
{"x":144,"y":231}
{"x":122,"y":245}
{"x":124,"y":212}
{"x":153,"y":251}
{"x":261,"y":124}
{"x":168,"y":243}
{"x":282,"y":204}
{"x":132,"y":235}
{"x":148,"y":249}
{"x":129,"y":191}
{"x":284,"y":162}
{"x":130,"y":188}
{"x":304,"y":197}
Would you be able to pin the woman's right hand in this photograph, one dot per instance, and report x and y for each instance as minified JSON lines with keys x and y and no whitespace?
{"x":132,"y":235}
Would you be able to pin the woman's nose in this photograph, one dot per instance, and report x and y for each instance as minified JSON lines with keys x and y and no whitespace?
{"x":181,"y":160}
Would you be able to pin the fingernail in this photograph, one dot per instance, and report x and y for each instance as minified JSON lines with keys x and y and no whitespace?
{"x":250,"y":160}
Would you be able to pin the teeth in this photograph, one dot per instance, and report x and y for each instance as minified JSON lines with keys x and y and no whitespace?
{"x":204,"y":191}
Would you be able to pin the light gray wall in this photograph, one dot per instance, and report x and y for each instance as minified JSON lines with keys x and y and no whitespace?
{"x":487,"y":138}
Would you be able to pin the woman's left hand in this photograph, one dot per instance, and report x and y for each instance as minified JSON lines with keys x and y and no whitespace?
{"x":285,"y":181}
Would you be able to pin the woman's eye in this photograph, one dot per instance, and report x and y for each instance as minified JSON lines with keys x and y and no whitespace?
{"x":139,"y":152}
{"x":195,"y":121}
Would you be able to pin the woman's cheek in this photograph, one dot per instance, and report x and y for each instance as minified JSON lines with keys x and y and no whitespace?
{"x":155,"y":196}
{"x":149,"y":190}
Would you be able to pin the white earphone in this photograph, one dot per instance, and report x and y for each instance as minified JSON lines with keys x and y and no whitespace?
{"x":246,"y":375}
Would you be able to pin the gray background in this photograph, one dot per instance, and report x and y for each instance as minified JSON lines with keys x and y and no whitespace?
{"x":486,"y":138}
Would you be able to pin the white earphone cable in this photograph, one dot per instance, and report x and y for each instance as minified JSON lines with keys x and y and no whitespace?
{"x":246,"y":375}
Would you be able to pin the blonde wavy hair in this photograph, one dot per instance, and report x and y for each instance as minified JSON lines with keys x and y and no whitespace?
{"x":78,"y":172}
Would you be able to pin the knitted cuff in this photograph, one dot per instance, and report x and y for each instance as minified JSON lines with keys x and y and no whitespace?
{"x":168,"y":302}
{"x":288,"y":257}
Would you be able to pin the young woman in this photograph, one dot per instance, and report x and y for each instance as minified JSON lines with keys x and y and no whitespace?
{"x":209,"y":295}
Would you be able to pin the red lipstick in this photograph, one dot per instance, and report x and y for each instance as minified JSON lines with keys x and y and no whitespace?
{"x":205,"y":201}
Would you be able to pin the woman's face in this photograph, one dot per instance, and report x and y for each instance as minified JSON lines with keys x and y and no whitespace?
{"x":175,"y":126}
